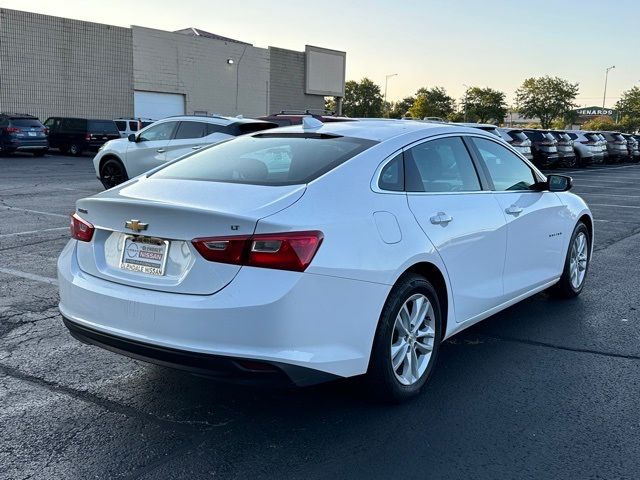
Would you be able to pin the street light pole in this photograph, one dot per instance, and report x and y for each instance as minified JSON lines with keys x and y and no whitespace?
{"x":386,"y":81}
{"x":606,"y":78}
{"x":465,"y":100}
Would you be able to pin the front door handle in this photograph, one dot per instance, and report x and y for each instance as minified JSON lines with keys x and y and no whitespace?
{"x":161,"y":150}
{"x":514,"y":210}
{"x":441,"y":219}
{"x":197,"y":147}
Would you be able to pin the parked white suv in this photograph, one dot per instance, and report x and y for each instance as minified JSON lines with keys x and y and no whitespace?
{"x":165,"y":140}
{"x":127,"y":126}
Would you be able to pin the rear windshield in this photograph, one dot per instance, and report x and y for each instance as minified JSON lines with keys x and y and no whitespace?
{"x":535,"y":136}
{"x":26,"y":122}
{"x":267,"y":159}
{"x":517,"y":135}
{"x":103,"y":126}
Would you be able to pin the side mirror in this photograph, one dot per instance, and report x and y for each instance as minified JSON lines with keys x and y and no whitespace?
{"x":559,"y":183}
{"x":132,"y":137}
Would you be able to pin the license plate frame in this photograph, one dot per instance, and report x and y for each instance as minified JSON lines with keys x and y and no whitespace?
{"x":130,"y":257}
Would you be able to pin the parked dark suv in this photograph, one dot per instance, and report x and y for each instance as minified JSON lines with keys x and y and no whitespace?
{"x":77,"y":135}
{"x":566,"y":151}
{"x":544,"y":147}
{"x":286,"y":118}
{"x":22,"y":133}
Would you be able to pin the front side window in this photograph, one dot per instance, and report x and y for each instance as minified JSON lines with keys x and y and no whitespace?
{"x":507,"y":170}
{"x":191,"y":130}
{"x":442,"y":165}
{"x":121,"y":124}
{"x":267,"y":159}
{"x":162,"y":131}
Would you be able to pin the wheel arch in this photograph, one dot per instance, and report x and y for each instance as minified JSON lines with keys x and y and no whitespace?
{"x":432,"y":273}
{"x":110,"y":156}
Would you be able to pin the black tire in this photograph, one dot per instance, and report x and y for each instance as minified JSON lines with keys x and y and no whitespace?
{"x":565,"y":288}
{"x":112,"y":173}
{"x":75,"y":149}
{"x":40,"y":153}
{"x":381,"y":380}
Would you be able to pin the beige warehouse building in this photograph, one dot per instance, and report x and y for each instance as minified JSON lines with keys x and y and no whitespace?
{"x":58,"y":66}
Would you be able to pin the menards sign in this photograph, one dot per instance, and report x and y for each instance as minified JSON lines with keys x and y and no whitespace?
{"x":595,"y":112}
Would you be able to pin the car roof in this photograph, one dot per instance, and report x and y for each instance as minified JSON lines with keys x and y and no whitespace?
{"x":216,"y":119}
{"x":478,"y":125}
{"x":379,"y":130}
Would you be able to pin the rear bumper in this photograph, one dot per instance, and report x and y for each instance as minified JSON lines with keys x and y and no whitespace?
{"x":25,"y":144}
{"x":289,"y":319}
{"x":215,"y":366}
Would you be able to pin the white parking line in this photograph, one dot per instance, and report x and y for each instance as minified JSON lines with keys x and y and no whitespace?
{"x":609,"y":205}
{"x":5,"y":235}
{"x":580,"y":185}
{"x":5,"y":207}
{"x":594,"y":169}
{"x":605,"y":180}
{"x":608,"y":195}
{"x":29,"y":276}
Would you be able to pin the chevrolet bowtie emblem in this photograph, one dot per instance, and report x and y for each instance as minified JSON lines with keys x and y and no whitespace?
{"x":135,"y":225}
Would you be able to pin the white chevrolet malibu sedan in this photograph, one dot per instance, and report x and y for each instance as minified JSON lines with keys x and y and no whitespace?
{"x":320,"y":251}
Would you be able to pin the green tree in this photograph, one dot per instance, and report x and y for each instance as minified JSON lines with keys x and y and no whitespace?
{"x":603,"y":123}
{"x":628,"y":108}
{"x":485,"y":104}
{"x":330,"y":104}
{"x":432,"y":102}
{"x":401,"y":108}
{"x":547,"y":98}
{"x":629,"y":103}
{"x":362,"y":99}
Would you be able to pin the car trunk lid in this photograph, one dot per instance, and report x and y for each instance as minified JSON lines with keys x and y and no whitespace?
{"x":161,"y":217}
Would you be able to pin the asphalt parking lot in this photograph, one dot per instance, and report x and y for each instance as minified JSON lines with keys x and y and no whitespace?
{"x":545,"y":389}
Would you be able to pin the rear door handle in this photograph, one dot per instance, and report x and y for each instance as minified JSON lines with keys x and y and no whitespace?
{"x":197,"y":147}
{"x":161,"y":150}
{"x":441,"y":219}
{"x":514,"y":210}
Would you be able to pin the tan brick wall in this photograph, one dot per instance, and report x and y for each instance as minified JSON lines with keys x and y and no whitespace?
{"x":57,"y":66}
{"x":287,"y":82}
{"x":197,"y":67}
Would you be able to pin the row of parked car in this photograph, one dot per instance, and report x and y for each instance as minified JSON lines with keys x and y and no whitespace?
{"x":569,"y":148}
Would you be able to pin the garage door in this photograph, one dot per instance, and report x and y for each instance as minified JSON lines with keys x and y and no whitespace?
{"x":157,"y":105}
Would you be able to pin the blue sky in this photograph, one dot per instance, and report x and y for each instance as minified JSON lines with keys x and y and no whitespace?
{"x":495,"y":43}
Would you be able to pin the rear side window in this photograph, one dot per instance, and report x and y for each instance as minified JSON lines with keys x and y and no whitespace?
{"x":507,"y":170}
{"x":442,"y":165}
{"x":103,"y":126}
{"x":191,"y":130}
{"x":267,"y":159}
{"x":26,"y":122}
{"x":392,"y":175}
{"x":122,"y":125}
{"x":74,"y":124}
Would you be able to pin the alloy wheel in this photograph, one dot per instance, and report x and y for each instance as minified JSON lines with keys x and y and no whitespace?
{"x":413,"y":339}
{"x":112,"y":175}
{"x":578,"y":260}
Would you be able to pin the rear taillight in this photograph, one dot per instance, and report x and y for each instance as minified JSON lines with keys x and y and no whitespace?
{"x":45,"y":130}
{"x":11,"y":130}
{"x":282,"y":251}
{"x":80,"y":229}
{"x":87,"y":137}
